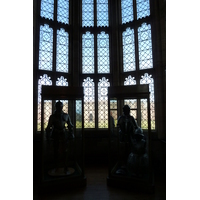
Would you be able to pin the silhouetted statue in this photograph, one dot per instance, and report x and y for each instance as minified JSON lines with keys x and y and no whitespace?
{"x":62,"y":138}
{"x":126,"y":124}
{"x":138,"y":159}
{"x":112,"y":123}
{"x":131,"y":135}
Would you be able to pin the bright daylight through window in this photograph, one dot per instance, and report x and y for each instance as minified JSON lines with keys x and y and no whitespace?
{"x":95,"y":53}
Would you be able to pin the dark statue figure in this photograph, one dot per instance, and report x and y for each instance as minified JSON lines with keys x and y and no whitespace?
{"x":127,"y":125}
{"x":138,"y":159}
{"x":112,"y":123}
{"x":134,"y":158}
{"x":62,"y":139}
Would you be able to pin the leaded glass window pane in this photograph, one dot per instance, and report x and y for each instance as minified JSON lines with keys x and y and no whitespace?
{"x":87,"y":53}
{"x":89,"y":100}
{"x":47,"y":8}
{"x":113,"y":110}
{"x":46,"y":48}
{"x":113,"y":104}
{"x":145,"y":46}
{"x":143,"y":8}
{"x":103,"y":103}
{"x":62,"y":51}
{"x":44,"y":80}
{"x":47,"y":111}
{"x":63,"y":11}
{"x":147,"y":79}
{"x":63,"y":82}
{"x":130,"y":80}
{"x":102,"y":13}
{"x":87,"y":13}
{"x":78,"y":114}
{"x":103,"y":56}
{"x":127,"y":11}
{"x":128,"y":50}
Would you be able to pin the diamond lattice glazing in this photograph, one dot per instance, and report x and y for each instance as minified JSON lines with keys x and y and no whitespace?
{"x":103,"y":56}
{"x":63,"y":11}
{"x":128,"y":50}
{"x":62,"y":51}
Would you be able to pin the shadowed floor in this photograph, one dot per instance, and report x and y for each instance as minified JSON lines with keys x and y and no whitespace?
{"x":97,"y":189}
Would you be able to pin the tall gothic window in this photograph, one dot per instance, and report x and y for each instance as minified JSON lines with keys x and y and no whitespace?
{"x":137,"y":54}
{"x":95,"y":62}
{"x":131,"y":102}
{"x":53,"y":61}
{"x":54,"y":57}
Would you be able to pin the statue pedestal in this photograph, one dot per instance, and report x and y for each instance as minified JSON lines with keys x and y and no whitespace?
{"x":61,"y":171}
{"x":53,"y":176}
{"x":130,"y":158}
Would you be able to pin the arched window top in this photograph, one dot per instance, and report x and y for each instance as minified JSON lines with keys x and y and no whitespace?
{"x":62,"y":81}
{"x":144,"y":27}
{"x":44,"y":80}
{"x":147,"y":79}
{"x":87,"y":83}
{"x":130,"y":80}
{"x":88,"y":35}
{"x":103,"y":82}
{"x":103,"y":85}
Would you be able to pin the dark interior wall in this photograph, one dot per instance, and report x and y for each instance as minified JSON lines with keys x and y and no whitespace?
{"x":159,"y":59}
{"x":96,"y":148}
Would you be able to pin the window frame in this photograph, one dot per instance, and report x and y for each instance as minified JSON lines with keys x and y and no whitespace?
{"x":137,"y":73}
{"x":95,"y":30}
{"x":54,"y":74}
{"x":115,"y":29}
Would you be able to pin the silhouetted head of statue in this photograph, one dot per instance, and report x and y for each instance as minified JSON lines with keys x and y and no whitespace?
{"x":139,"y":131}
{"x":126,"y":110}
{"x":139,"y":134}
{"x":59,"y":106}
